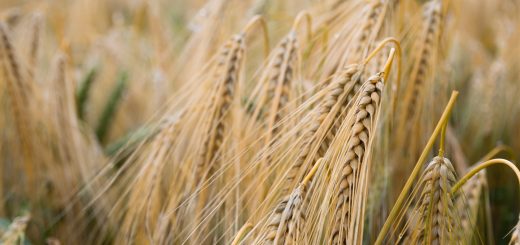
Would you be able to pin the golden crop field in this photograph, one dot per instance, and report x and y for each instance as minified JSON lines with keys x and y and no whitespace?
{"x":259,"y":122}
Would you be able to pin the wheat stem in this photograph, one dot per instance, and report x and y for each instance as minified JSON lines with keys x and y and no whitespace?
{"x":442,"y":140}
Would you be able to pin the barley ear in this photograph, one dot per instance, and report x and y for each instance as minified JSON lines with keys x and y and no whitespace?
{"x":416,"y":171}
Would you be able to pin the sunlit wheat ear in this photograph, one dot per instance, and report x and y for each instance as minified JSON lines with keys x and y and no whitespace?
{"x":467,"y":204}
{"x":146,"y":198}
{"x":359,"y":36}
{"x":279,"y":87}
{"x":327,"y":117}
{"x":349,"y":187}
{"x":280,"y":83}
{"x":370,"y":28}
{"x":435,"y":208}
{"x":515,"y":235}
{"x":218,"y":124}
{"x":425,"y":50}
{"x":226,"y":78}
{"x":285,"y":223}
{"x":18,"y":90}
{"x":16,"y":230}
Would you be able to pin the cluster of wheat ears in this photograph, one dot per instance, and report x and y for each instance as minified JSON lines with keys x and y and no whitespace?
{"x":259,"y":122}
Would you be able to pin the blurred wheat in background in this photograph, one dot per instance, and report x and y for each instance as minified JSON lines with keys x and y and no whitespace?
{"x":259,"y":122}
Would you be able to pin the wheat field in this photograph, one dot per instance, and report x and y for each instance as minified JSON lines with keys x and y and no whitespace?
{"x":259,"y":122}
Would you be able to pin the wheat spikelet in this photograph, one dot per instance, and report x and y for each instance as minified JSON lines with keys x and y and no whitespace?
{"x":276,"y":87}
{"x":354,"y":164}
{"x":279,"y":87}
{"x":217,"y":126}
{"x":146,"y":198}
{"x":228,"y":69}
{"x":286,"y":220}
{"x":327,"y":118}
{"x":18,"y":91}
{"x":426,"y":51}
{"x":360,"y":36}
{"x":370,"y":28}
{"x":276,"y":224}
{"x":468,"y":203}
{"x":436,"y":221}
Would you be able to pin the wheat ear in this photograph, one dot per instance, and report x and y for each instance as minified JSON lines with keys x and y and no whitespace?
{"x":426,"y":49}
{"x":285,"y":222}
{"x":326,"y":119}
{"x":366,"y":109}
{"x":18,"y":91}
